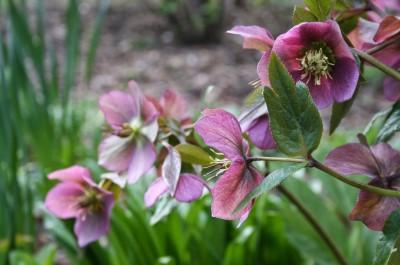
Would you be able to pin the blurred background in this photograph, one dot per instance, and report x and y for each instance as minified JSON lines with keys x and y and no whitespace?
{"x":57,"y":57}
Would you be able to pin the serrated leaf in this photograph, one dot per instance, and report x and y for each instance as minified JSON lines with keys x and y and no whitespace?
{"x":193,"y":154}
{"x":392,"y":124}
{"x":300,"y":14}
{"x":339,"y":111}
{"x":271,"y":181}
{"x":386,"y":245}
{"x":294,"y":119}
{"x":320,"y":8}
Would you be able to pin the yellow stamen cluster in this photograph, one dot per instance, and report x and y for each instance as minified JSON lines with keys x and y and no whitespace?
{"x":91,"y":200}
{"x":315,"y":64}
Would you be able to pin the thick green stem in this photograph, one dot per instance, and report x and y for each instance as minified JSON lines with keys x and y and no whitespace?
{"x":370,"y":188}
{"x":313,"y":222}
{"x":278,"y":159}
{"x":381,"y":66}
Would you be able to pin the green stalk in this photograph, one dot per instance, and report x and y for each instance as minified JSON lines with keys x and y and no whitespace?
{"x":278,"y":159}
{"x":381,"y":66}
{"x":314,"y":223}
{"x":366,"y":187}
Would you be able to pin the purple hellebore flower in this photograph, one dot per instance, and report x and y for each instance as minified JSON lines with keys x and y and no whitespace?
{"x":221,"y":130}
{"x":369,"y":34}
{"x":184,"y":187}
{"x":77,"y":196}
{"x":133,"y":119}
{"x":380,"y":162}
{"x":316,"y":53}
{"x":260,"y":39}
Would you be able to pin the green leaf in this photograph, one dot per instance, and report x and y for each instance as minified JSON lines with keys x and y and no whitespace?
{"x":300,"y":14}
{"x":387,"y":243}
{"x":392,"y":124}
{"x":320,"y":8}
{"x":271,"y":181}
{"x":46,"y":256}
{"x":193,"y":154}
{"x":294,"y":119}
{"x":339,"y":110}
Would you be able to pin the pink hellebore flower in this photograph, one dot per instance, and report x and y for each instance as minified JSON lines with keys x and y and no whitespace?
{"x":316,"y":53}
{"x":221,"y":130}
{"x":174,"y":106}
{"x":184,"y":187}
{"x":133,"y":119}
{"x":259,"y":39}
{"x":77,"y":196}
{"x":380,"y":162}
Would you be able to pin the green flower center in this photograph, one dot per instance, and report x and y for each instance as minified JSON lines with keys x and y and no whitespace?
{"x":91,"y":200}
{"x":317,"y":62}
{"x":129,"y":129}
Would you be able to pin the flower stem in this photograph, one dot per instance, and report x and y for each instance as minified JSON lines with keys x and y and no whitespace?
{"x":383,"y":45}
{"x":313,"y":222}
{"x":370,"y":188}
{"x":381,"y":66}
{"x":279,"y":159}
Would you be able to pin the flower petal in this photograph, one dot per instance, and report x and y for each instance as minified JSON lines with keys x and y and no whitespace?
{"x":255,"y":37}
{"x":148,"y":111}
{"x":388,"y":27}
{"x":388,"y":159}
{"x":174,"y":105}
{"x":344,"y":80}
{"x":262,"y":68}
{"x":155,"y":191}
{"x":391,"y":86}
{"x":75,"y":173}
{"x":352,"y":159}
{"x":90,"y":227}
{"x":221,"y":130}
{"x":115,"y":153}
{"x":171,"y":169}
{"x":63,"y":199}
{"x":231,"y":188}
{"x":260,"y":133}
{"x":142,"y":159}
{"x":189,"y":188}
{"x":118,"y":108}
{"x":373,"y":209}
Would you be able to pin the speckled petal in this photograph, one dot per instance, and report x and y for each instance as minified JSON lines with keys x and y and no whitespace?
{"x":221,"y":130}
{"x":231,"y":188}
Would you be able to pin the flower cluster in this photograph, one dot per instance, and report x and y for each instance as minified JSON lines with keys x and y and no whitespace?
{"x":309,"y":67}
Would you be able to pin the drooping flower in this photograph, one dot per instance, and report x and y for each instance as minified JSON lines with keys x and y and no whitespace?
{"x":77,"y":196}
{"x":260,"y":39}
{"x":382,"y":164}
{"x":316,"y":53}
{"x":221,"y":131}
{"x":184,"y":187}
{"x":133,"y":119}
